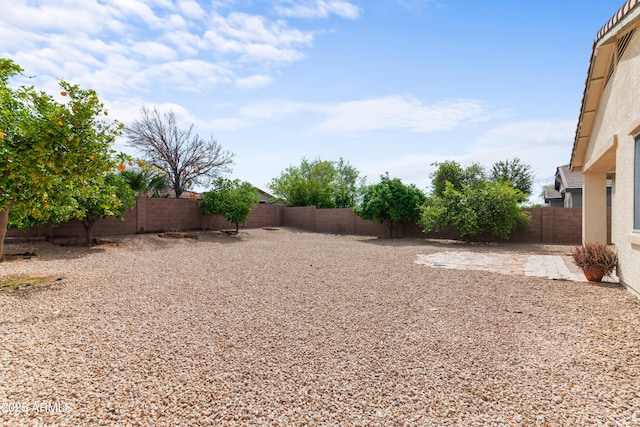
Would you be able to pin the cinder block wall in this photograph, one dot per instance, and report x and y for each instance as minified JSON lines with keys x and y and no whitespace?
{"x":548,"y":225}
{"x":168,"y":215}
{"x":300,"y":217}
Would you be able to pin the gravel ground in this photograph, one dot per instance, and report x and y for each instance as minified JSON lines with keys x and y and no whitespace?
{"x":287,"y":328}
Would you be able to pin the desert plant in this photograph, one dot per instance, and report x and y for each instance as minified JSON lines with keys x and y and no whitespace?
{"x":596,"y":260}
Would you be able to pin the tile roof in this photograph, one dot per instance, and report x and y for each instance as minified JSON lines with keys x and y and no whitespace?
{"x":621,"y":13}
{"x":598,"y":67}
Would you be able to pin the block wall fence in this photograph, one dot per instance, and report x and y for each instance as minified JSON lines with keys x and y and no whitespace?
{"x":151,"y":215}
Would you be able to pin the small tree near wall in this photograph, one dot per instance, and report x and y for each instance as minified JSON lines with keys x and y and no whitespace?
{"x":231,"y":199}
{"x":390,"y":201}
{"x":105,"y":196}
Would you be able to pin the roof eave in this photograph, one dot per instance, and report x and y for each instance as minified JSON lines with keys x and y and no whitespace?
{"x":599,"y":66}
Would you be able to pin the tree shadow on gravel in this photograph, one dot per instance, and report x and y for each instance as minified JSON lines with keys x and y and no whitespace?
{"x":45,"y":250}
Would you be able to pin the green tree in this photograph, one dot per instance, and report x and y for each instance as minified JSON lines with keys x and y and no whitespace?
{"x":146,"y":181}
{"x":518,"y":174}
{"x":347,"y":182}
{"x":486,"y":207}
{"x":310,"y":184}
{"x":390,"y":201}
{"x":105,"y":196}
{"x":319,"y":183}
{"x":231,"y":199}
{"x":48,"y":149}
{"x":451,"y":171}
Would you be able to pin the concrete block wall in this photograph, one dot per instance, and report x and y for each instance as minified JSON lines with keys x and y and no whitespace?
{"x":265,"y":215}
{"x":159,"y":215}
{"x":548,"y":225}
{"x":335,"y":221}
{"x":566,"y":225}
{"x":303,"y":217}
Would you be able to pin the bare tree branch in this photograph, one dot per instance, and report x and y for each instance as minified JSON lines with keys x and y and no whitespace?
{"x":187,"y":159}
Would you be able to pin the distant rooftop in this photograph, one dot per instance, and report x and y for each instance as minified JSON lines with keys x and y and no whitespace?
{"x":570,"y":181}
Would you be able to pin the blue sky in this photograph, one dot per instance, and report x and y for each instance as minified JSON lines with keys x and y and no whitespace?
{"x":388,"y":85}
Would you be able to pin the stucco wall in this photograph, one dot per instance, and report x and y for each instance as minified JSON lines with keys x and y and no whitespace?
{"x":618,"y":114}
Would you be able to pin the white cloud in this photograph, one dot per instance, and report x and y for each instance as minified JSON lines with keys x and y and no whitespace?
{"x":318,"y":9}
{"x":353,"y":118}
{"x":252,"y":82}
{"x":118,"y":46}
{"x":190,"y":75}
{"x":187,"y":43}
{"x":191,"y":9}
{"x":255,"y":39}
{"x":399,"y":113}
{"x":134,"y":9}
{"x":261,"y":112}
{"x":155,"y":51}
{"x":70,"y":16}
{"x":531,"y":132}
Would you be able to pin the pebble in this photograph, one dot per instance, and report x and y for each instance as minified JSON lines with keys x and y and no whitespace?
{"x":290,"y":328}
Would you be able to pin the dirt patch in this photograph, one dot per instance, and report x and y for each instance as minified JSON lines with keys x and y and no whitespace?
{"x":178,"y":235}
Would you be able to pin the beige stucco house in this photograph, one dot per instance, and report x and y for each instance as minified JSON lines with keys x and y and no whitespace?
{"x":607,"y":142}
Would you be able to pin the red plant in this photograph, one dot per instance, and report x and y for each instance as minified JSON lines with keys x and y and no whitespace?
{"x":593,"y":256}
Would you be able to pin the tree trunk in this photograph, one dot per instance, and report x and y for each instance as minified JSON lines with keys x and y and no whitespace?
{"x":390,"y":229}
{"x":237,"y":227}
{"x":88,"y":225}
{"x":4,"y":223}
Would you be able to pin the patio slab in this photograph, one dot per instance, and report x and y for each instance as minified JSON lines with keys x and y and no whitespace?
{"x":554,"y":267}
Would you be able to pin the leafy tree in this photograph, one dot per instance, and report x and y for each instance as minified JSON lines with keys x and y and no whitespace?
{"x":517,"y":173}
{"x":390,"y":201}
{"x":185,"y":157}
{"x":231,"y":199}
{"x":451,"y":171}
{"x":347,"y":183}
{"x":319,"y":183}
{"x":486,"y":207}
{"x":105,"y":196}
{"x":146,"y":181}
{"x":48,"y":149}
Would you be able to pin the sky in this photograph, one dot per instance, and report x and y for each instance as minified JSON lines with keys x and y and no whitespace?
{"x":387,"y":85}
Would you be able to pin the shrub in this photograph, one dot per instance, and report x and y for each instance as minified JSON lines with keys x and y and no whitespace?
{"x":593,"y":256}
{"x":484,"y":207}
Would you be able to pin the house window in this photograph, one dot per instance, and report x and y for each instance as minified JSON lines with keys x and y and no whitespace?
{"x":636,"y":186}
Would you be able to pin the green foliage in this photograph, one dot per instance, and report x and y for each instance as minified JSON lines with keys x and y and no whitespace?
{"x":347,"y":184}
{"x":518,"y":174}
{"x":146,"y":181}
{"x":452,"y":172}
{"x":390,"y":201}
{"x":48,"y":149}
{"x":104,"y":196}
{"x":485,"y":207}
{"x":323,"y":184}
{"x":231,"y":199}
